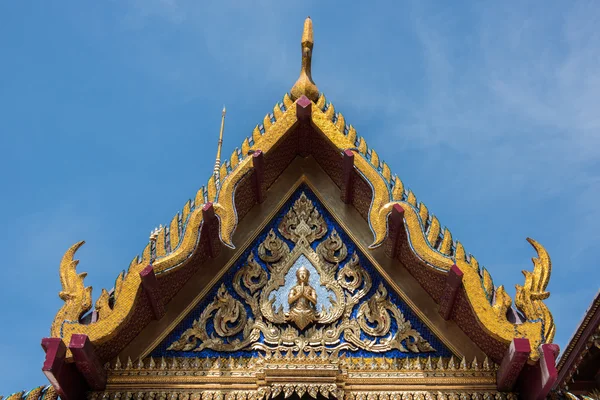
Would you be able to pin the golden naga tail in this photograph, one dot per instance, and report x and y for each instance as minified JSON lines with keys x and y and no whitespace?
{"x":530,"y":296}
{"x":77,"y":297}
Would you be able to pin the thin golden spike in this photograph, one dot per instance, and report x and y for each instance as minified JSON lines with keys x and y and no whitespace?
{"x":398,"y":192}
{"x":174,"y":232}
{"x":287,"y":102}
{"x":412,"y":199}
{"x":374,"y":158}
{"x":330,"y":112}
{"x":387,"y":174}
{"x":277,"y":113}
{"x":321,"y":102}
{"x":423,"y":212}
{"x":219,"y":146}
{"x":434,"y":231}
{"x":352,"y":135}
{"x":234,"y":159}
{"x":267,"y":122}
{"x":340,"y":124}
{"x":245,"y":147}
{"x":256,"y":136}
{"x":362,"y":146}
{"x":446,"y":247}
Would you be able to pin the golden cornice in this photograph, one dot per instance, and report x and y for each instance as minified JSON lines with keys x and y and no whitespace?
{"x":353,"y":373}
{"x":436,"y":249}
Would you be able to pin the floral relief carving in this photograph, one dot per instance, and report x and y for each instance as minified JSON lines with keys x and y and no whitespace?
{"x":301,"y":300}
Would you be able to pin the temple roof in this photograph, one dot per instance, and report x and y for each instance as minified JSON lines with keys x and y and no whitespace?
{"x":306,"y":124}
{"x":579,"y":364}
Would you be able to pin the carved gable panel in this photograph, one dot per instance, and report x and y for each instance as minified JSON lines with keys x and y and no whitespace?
{"x":302,"y":287}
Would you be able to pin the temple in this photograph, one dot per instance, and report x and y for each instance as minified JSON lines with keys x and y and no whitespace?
{"x":304,"y":268}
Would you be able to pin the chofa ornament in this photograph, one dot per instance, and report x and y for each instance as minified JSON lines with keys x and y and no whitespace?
{"x":302,"y":300}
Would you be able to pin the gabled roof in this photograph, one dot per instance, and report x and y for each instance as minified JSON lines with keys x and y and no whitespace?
{"x":579,"y":363}
{"x":429,"y":252}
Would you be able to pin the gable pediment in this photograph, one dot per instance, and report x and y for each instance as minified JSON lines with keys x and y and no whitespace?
{"x":303,"y":285}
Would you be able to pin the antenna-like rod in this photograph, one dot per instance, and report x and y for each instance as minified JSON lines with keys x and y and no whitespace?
{"x":217,"y":171}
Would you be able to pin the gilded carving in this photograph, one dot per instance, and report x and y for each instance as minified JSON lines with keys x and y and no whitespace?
{"x":333,"y":249}
{"x":302,"y":300}
{"x":375,"y":318}
{"x":303,"y":221}
{"x":77,"y":297}
{"x":228,"y":320}
{"x":273,"y":249}
{"x":530,"y":296}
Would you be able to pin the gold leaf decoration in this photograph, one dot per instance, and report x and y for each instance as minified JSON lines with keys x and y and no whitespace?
{"x":330,"y":112}
{"x":530,"y":296}
{"x":362,"y":146}
{"x":267,"y":122}
{"x":321,"y":102}
{"x":374,"y":158}
{"x":434,"y":231}
{"x":302,"y":327}
{"x":77,"y":297}
{"x":340,"y":123}
{"x":287,"y":102}
{"x":398,"y":192}
{"x":352,"y":135}
{"x":333,"y":248}
{"x":446,"y":246}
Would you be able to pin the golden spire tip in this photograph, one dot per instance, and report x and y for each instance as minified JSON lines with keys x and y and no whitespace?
{"x":217,"y":169}
{"x":305,"y":86}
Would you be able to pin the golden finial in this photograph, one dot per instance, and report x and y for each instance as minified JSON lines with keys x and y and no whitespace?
{"x":217,"y":170}
{"x":305,"y":85}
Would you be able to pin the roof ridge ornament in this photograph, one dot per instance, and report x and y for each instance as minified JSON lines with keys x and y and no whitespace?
{"x":217,"y":169}
{"x":305,"y":85}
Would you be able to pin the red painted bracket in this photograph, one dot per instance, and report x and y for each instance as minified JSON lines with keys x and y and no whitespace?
{"x":258,"y":162}
{"x":395,"y":226}
{"x":151,"y":288}
{"x":303,"y":109}
{"x":64,"y":377}
{"x":512,"y":364}
{"x":451,"y":288}
{"x":87,"y":361}
{"x":210,"y":228}
{"x":537,"y":380}
{"x":347,"y":174}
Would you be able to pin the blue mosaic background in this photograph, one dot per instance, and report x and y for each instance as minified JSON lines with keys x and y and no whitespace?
{"x":161,"y":350}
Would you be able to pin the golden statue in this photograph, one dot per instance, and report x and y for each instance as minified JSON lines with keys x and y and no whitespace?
{"x":302,"y":300}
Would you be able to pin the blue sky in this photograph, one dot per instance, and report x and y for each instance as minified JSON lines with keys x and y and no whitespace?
{"x":111,"y":110}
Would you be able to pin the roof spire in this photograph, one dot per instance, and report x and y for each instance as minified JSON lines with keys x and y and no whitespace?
{"x":305,"y":85}
{"x":217,"y":170}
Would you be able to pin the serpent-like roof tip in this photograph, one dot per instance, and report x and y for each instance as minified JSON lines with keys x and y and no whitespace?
{"x":305,"y":84}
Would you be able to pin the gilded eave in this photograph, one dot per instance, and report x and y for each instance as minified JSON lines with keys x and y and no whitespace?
{"x":173,"y":245}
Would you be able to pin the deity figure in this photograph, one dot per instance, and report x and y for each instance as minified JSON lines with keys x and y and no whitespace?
{"x":302,"y":300}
